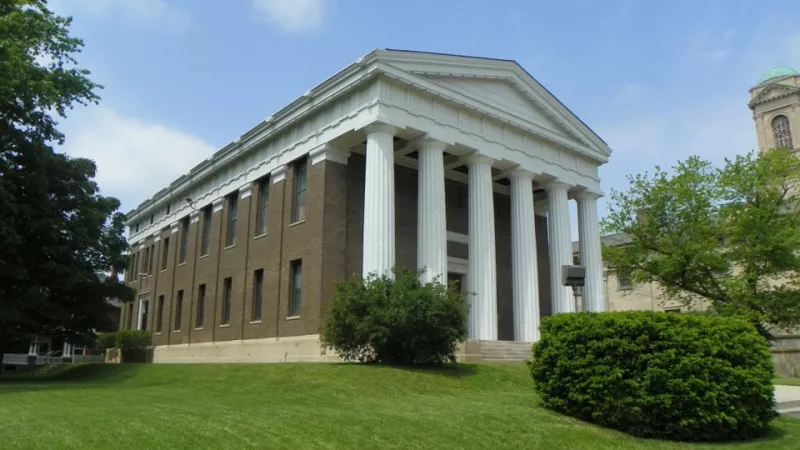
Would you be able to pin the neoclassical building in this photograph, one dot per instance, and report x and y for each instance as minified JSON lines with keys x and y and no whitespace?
{"x":460,"y":165}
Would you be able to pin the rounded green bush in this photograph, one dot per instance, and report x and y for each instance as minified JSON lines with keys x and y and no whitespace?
{"x":395,"y":321}
{"x":657,"y":375}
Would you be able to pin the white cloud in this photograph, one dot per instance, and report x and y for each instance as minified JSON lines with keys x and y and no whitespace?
{"x":134,"y":158}
{"x":151,"y":12}
{"x":293,"y":15}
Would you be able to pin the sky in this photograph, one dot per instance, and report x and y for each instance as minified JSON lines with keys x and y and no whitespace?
{"x":658,"y":81}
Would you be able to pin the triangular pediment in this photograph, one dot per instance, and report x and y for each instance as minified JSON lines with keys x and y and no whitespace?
{"x":495,"y":85}
{"x":773,"y":92}
{"x":503,"y":94}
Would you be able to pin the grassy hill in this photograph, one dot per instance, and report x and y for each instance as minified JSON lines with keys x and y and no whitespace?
{"x":297,"y":406}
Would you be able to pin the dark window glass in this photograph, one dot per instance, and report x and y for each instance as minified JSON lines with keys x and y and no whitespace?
{"x":296,"y":287}
{"x":164,"y":253}
{"x":258,"y":294}
{"x":184,"y":238}
{"x":263,"y":206}
{"x":178,"y":310}
{"x":205,"y":240}
{"x":299,"y":200}
{"x":227,"y":286}
{"x":201,"y":306}
{"x":160,"y":314}
{"x":230,"y":235}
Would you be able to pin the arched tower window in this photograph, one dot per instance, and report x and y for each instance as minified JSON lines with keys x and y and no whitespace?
{"x":781,"y":132}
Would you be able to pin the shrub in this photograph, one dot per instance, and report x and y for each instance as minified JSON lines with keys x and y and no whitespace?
{"x":133,"y":343}
{"x":657,"y":375}
{"x":395,"y":321}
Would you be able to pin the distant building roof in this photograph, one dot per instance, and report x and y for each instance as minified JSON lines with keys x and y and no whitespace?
{"x":777,"y":72}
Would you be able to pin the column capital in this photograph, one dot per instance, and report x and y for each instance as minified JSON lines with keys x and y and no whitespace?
{"x":521,"y":174}
{"x":194,"y":216}
{"x":556,"y":185}
{"x":587,"y":195}
{"x":174,"y":226}
{"x":477,"y":158}
{"x":328,"y":151}
{"x":380,"y":127}
{"x":245,"y":190}
{"x":429,"y":142}
{"x":217,"y":204}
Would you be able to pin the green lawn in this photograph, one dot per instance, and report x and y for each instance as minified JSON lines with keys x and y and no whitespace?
{"x":787,"y":381}
{"x":296,"y":406}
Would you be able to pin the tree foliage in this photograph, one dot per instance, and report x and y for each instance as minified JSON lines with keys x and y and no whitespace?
{"x":395,"y":321}
{"x":58,"y":235}
{"x":657,"y":375}
{"x":726,"y":238}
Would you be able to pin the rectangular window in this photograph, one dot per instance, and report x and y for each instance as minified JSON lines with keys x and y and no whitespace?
{"x":263,"y":206}
{"x":150,"y":261}
{"x":230,"y":235}
{"x":133,"y":267}
{"x":130,"y":316}
{"x":164,"y":253}
{"x":299,"y":191}
{"x":205,"y":239}
{"x":295,"y":289}
{"x":227,"y":287}
{"x":160,"y":314}
{"x":152,"y":216}
{"x":178,"y":310}
{"x":144,"y":262}
{"x":168,"y":208}
{"x":258,"y":294}
{"x":201,"y":306}
{"x":184,"y":238}
{"x":624,"y":281}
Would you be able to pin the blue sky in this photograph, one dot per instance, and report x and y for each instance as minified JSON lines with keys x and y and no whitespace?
{"x":659,"y":81}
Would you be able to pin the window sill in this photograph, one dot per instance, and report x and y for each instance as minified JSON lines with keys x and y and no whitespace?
{"x":297,"y":223}
{"x":182,"y":264}
{"x":255,"y":322}
{"x":158,"y":333}
{"x":198,"y":328}
{"x":229,"y":247}
{"x":204,"y":256}
{"x":259,"y":236}
{"x":225,"y":325}
{"x":176,"y":331}
{"x":163,"y":270}
{"x":292,"y":317}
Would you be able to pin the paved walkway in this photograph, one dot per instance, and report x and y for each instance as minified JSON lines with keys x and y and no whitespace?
{"x":788,"y":399}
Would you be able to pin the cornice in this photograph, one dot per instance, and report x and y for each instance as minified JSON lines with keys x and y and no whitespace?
{"x":760,"y":100}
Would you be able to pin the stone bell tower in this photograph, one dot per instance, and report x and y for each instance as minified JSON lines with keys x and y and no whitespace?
{"x":775,"y":102}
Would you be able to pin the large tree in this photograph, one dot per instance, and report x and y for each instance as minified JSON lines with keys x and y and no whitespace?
{"x":725,"y":237}
{"x":58,"y":235}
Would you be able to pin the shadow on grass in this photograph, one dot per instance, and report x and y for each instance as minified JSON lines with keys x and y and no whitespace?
{"x":82,"y":375}
{"x":450,"y":370}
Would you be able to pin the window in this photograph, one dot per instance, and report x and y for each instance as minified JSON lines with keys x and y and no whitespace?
{"x":299,"y":192}
{"x":227,"y":287}
{"x":201,"y":306}
{"x":137,"y":227}
{"x":782,"y":132}
{"x":144,"y":309}
{"x":146,"y":258}
{"x":295,"y":290}
{"x":673,"y":310}
{"x":160,"y":314}
{"x":623,"y":281}
{"x":164,"y":253}
{"x":168,"y":208}
{"x":150,"y":261}
{"x":258,"y":295}
{"x":134,"y":267}
{"x":184,"y":238}
{"x":152,"y":216}
{"x":263,"y":206}
{"x":205,"y":240}
{"x":230,"y":235}
{"x":178,"y":311}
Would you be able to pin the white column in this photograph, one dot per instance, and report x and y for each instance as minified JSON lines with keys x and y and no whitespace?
{"x":591,"y":257}
{"x":562,"y":297}
{"x":33,"y":348}
{"x":482,"y":277}
{"x":379,"y":219}
{"x":431,"y":221}
{"x":66,"y":351}
{"x":523,"y":258}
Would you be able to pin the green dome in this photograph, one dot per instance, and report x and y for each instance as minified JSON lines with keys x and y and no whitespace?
{"x":777,"y":72}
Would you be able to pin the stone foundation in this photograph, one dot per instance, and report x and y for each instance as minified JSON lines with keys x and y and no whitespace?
{"x":786,"y":355}
{"x":308,"y":349}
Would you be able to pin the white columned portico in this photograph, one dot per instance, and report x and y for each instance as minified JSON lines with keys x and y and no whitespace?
{"x":523,"y":258}
{"x":482,"y":278}
{"x":560,"y":246}
{"x":431,"y":221}
{"x":379,"y":218}
{"x":590,"y":252}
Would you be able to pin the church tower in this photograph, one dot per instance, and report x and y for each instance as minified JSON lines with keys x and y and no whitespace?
{"x":775,"y":102}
